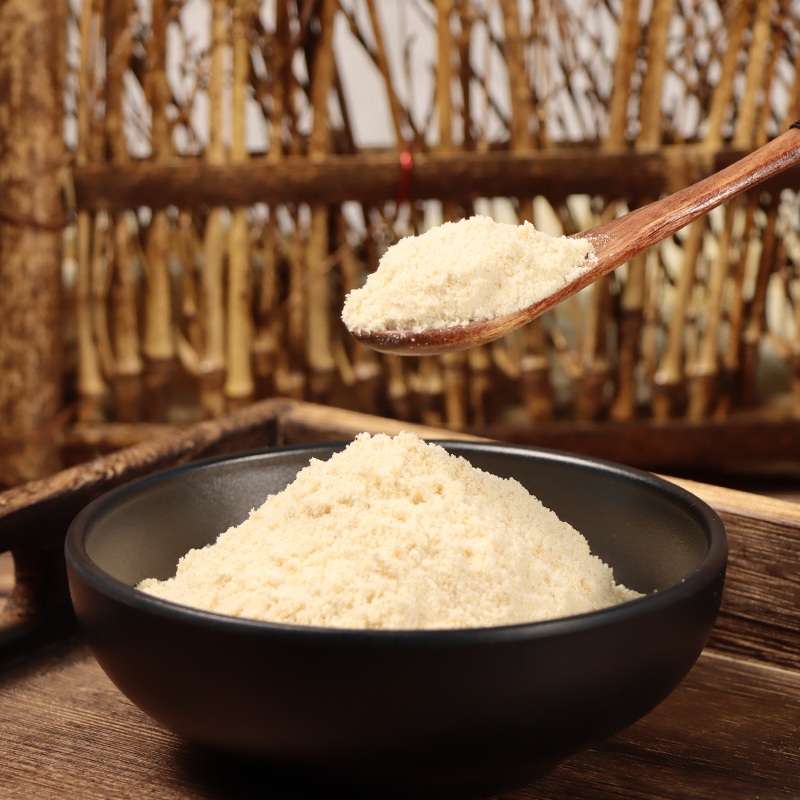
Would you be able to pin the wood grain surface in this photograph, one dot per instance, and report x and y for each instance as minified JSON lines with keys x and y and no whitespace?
{"x":741,"y":441}
{"x":375,"y":177}
{"x":6,"y":576}
{"x":731,"y":730}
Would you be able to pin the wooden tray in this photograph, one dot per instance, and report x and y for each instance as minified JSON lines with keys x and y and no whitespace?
{"x":731,"y":730}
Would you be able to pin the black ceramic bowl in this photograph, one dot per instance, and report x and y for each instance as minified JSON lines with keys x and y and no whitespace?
{"x":479,"y":707}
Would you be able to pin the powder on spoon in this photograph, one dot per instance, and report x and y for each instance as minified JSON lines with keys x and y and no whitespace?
{"x":396,"y":533}
{"x":462,"y":272}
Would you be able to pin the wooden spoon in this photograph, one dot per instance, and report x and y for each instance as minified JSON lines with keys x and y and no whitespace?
{"x":614,"y":244}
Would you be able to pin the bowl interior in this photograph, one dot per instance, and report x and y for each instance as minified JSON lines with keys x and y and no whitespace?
{"x":651,"y":533}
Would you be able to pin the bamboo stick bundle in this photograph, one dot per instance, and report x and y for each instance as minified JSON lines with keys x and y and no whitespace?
{"x":128,"y":375}
{"x":551,"y":99}
{"x":454,"y":365}
{"x":269,"y":324}
{"x":533,"y":364}
{"x":382,"y":62}
{"x":650,"y":113}
{"x":101,"y":276}
{"x":628,"y":44}
{"x":590,"y":400}
{"x":92,"y":389}
{"x":702,"y":373}
{"x":596,"y":367}
{"x":479,"y":362}
{"x":239,"y":382}
{"x":756,"y":87}
{"x":466,"y":19}
{"x":366,"y":363}
{"x":394,"y":368}
{"x":266,"y":339}
{"x":532,"y":342}
{"x":124,"y":291}
{"x":290,"y":377}
{"x":280,"y":63}
{"x":756,"y":317}
{"x":703,"y":376}
{"x":367,"y":367}
{"x":318,"y":334}
{"x":730,"y":368}
{"x":189,"y":252}
{"x":653,"y":286}
{"x":629,"y":324}
{"x":158,"y":346}
{"x":730,"y":360}
{"x":668,"y":378}
{"x":428,"y":387}
{"x":213,"y":360}
{"x":781,"y":327}
{"x":398,"y":394}
{"x":631,"y":310}
{"x":424,"y":380}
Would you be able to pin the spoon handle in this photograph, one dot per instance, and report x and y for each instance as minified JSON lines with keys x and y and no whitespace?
{"x":617,"y":241}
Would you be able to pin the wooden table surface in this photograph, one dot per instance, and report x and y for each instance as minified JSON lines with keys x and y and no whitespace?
{"x":730,"y":730}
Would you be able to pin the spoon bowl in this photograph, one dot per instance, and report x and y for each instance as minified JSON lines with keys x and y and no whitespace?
{"x":614,"y":243}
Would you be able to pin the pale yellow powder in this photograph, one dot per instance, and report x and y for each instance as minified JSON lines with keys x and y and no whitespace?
{"x":464,"y":271}
{"x":396,"y":533}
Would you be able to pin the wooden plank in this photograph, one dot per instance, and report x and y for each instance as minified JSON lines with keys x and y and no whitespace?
{"x":6,"y":576}
{"x":673,"y":444}
{"x":730,"y":730}
{"x":301,"y":423}
{"x":677,"y":444}
{"x":375,"y":177}
{"x":42,"y":510}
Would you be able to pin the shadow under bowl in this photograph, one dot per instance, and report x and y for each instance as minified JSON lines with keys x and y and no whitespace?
{"x":434,"y":709}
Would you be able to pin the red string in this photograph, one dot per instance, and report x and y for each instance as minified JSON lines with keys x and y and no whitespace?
{"x":406,"y":163}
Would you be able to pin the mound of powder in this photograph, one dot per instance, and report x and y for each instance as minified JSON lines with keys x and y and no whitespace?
{"x":463,"y":272}
{"x":396,"y":533}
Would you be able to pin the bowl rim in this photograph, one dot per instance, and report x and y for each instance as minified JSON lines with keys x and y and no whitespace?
{"x":713,"y":563}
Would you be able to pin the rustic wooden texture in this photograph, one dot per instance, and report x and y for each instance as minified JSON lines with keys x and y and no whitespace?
{"x":307,"y":422}
{"x":375,"y":177}
{"x":738,"y":441}
{"x":760,"y":618}
{"x":32,"y":36}
{"x":34,"y":517}
{"x":81,"y":442}
{"x":51,"y":503}
{"x":6,"y":576}
{"x":730,"y":730}
{"x":615,"y":242}
{"x":528,"y":102}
